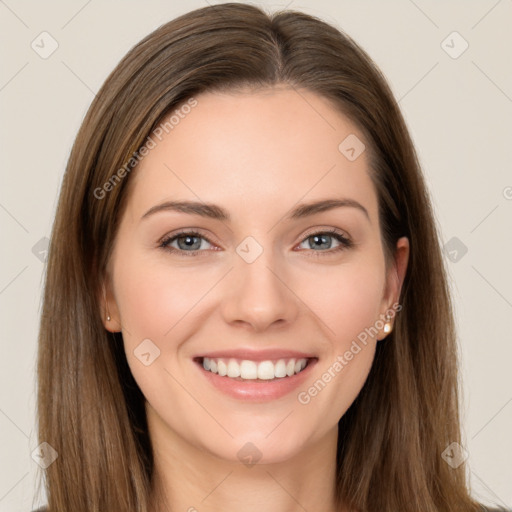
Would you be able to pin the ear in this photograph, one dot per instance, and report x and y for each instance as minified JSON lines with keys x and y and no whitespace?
{"x":394,"y":281}
{"x":108,"y":307}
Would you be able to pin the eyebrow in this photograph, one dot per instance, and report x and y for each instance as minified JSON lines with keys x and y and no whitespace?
{"x":216,"y":212}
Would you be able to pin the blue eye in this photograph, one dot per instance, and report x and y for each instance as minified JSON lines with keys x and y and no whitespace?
{"x":320,"y":238}
{"x":189,"y":242}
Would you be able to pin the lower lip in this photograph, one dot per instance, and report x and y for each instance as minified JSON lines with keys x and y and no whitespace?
{"x":258,"y":391}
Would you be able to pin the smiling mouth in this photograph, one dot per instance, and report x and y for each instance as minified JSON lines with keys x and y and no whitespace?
{"x":254,"y":371}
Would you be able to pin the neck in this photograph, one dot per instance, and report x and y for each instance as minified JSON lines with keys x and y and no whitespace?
{"x":189,"y":479}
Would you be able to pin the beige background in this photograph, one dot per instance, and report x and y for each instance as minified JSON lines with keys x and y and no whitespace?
{"x":459,"y":111}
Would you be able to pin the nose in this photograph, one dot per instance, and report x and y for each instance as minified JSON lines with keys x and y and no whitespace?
{"x":258,"y":296}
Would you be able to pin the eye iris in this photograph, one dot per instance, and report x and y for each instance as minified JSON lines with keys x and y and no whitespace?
{"x":320,"y":238}
{"x":189,"y":243}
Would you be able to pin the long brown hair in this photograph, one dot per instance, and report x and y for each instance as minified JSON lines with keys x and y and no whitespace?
{"x":91,"y":411}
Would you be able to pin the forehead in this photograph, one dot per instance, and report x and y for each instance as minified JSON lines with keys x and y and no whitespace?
{"x":254,"y":148}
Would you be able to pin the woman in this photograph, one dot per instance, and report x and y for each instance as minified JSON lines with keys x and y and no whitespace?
{"x":262,"y":370}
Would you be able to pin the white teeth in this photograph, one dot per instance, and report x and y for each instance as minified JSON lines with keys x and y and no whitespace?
{"x":233,"y":369}
{"x":280,"y":369}
{"x":266,"y":370}
{"x":251,"y":370}
{"x":300,"y":365}
{"x":222,"y":369}
{"x":248,"y":370}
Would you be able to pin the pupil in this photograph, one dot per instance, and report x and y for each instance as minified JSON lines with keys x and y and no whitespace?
{"x":189,"y":240}
{"x":320,"y":238}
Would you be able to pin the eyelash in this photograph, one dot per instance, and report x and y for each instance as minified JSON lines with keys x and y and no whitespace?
{"x":345,"y":243}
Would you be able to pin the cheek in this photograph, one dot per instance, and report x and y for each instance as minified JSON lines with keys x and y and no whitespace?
{"x":153,"y":298}
{"x":348,"y":304}
{"x":347,"y":299}
{"x":156,"y":303}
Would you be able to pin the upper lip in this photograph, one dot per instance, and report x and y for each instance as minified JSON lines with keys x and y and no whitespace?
{"x":256,"y":355}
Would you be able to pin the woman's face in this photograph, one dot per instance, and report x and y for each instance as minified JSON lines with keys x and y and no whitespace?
{"x":263,"y":277}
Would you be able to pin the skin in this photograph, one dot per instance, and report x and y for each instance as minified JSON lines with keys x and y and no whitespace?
{"x":256,"y":153}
